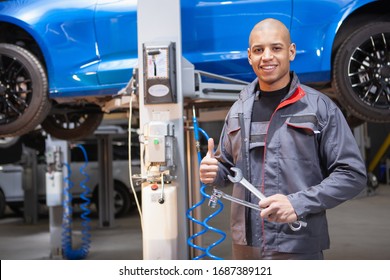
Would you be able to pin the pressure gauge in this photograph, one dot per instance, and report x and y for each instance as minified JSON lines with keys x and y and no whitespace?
{"x":159,"y":74}
{"x":157,"y":64}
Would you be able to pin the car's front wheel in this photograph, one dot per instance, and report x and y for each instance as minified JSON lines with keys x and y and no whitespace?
{"x":361,"y":72}
{"x":24,"y":101}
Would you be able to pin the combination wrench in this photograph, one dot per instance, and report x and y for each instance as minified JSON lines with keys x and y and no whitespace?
{"x":239,"y":178}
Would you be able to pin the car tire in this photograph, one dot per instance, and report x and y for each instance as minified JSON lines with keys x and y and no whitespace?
{"x":69,"y":124}
{"x":122,"y":199}
{"x":24,"y":101}
{"x":7,"y":142}
{"x":2,"y":204}
{"x":361,"y":73}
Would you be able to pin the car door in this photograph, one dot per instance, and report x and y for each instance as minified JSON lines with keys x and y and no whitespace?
{"x":116,"y":33}
{"x":215,"y":33}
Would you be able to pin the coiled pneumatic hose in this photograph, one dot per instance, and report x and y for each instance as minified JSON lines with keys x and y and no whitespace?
{"x":68,"y":251}
{"x":205,"y":250}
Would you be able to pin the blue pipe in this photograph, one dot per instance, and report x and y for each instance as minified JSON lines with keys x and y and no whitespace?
{"x":205,"y":251}
{"x":68,"y":251}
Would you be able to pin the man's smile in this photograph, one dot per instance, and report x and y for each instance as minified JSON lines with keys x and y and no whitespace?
{"x":268,"y":68}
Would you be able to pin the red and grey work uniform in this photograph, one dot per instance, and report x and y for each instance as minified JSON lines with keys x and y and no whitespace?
{"x":309,"y":154}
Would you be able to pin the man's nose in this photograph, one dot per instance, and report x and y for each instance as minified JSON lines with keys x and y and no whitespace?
{"x":267,"y":54}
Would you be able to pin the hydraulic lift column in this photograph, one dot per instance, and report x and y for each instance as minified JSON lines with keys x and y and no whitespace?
{"x":161,"y":117}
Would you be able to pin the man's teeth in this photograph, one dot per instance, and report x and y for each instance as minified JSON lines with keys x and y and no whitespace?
{"x":268,"y":67}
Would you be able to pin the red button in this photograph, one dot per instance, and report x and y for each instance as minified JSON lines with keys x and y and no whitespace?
{"x":154,"y":187}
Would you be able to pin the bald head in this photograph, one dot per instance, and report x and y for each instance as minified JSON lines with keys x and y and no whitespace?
{"x":271,"y":24}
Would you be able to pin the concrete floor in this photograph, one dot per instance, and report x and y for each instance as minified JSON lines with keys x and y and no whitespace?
{"x":359,"y":230}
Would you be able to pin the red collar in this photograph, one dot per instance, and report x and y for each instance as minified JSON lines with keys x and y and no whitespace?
{"x":298,"y":94}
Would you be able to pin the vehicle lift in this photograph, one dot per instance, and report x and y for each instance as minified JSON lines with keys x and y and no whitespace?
{"x":164,"y":80}
{"x":57,"y":152}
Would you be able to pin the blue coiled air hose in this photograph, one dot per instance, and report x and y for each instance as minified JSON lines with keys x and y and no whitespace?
{"x":205,"y":250}
{"x":68,"y":251}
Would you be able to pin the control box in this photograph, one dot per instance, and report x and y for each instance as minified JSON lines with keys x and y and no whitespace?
{"x":159,"y":143}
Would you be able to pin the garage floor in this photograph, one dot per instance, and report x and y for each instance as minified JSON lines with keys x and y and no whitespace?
{"x":359,"y":229}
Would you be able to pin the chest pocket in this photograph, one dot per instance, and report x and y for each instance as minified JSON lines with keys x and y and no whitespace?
{"x":233,"y":131}
{"x":258,"y":134}
{"x":306,"y":124}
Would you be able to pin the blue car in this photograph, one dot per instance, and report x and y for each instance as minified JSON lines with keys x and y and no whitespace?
{"x":61,"y":61}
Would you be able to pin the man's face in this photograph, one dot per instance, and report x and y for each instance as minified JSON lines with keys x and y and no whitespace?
{"x":270,"y":53}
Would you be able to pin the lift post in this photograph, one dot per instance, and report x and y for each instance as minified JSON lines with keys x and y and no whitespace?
{"x":161,"y":100}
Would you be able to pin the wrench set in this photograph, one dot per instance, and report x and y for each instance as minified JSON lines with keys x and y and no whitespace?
{"x":239,"y":178}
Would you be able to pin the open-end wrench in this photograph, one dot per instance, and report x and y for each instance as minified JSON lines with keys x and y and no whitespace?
{"x":239,"y":178}
{"x":217,"y":194}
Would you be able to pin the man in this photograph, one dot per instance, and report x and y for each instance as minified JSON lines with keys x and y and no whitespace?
{"x":294,"y":145}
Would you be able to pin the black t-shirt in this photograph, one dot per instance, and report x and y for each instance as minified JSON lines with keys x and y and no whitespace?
{"x":266,"y":103}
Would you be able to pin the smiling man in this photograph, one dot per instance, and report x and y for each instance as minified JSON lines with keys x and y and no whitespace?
{"x":294,"y":145}
{"x":270,"y":52}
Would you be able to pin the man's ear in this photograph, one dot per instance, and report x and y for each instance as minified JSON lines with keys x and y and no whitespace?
{"x":293,"y":51}
{"x":249,"y":57}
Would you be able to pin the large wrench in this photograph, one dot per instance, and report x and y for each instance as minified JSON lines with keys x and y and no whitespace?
{"x":217,"y":194}
{"x":239,"y":178}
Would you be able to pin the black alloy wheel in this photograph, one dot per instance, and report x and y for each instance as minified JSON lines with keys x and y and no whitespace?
{"x":361,"y":72}
{"x":24,"y":101}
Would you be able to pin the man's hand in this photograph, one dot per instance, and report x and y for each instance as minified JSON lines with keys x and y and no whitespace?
{"x":209,"y":165}
{"x":277,"y":208}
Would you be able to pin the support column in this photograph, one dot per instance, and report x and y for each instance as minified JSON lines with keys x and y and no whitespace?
{"x":106,"y":181}
{"x":160,"y":21}
{"x":30,"y":187}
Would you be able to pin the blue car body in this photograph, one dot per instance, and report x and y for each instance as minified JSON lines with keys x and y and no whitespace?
{"x":90,"y":46}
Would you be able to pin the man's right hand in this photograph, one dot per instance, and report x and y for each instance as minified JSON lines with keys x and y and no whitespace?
{"x":209,"y":165}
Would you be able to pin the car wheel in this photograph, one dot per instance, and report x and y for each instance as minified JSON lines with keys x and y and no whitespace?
{"x":71,"y":124}
{"x":7,"y":142}
{"x":24,"y":102}
{"x":2,"y":204}
{"x":122,"y":199}
{"x":361,"y":73}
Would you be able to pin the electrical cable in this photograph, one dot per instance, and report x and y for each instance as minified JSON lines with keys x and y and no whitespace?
{"x":133,"y":89}
{"x":206,"y":227}
{"x":68,"y":251}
